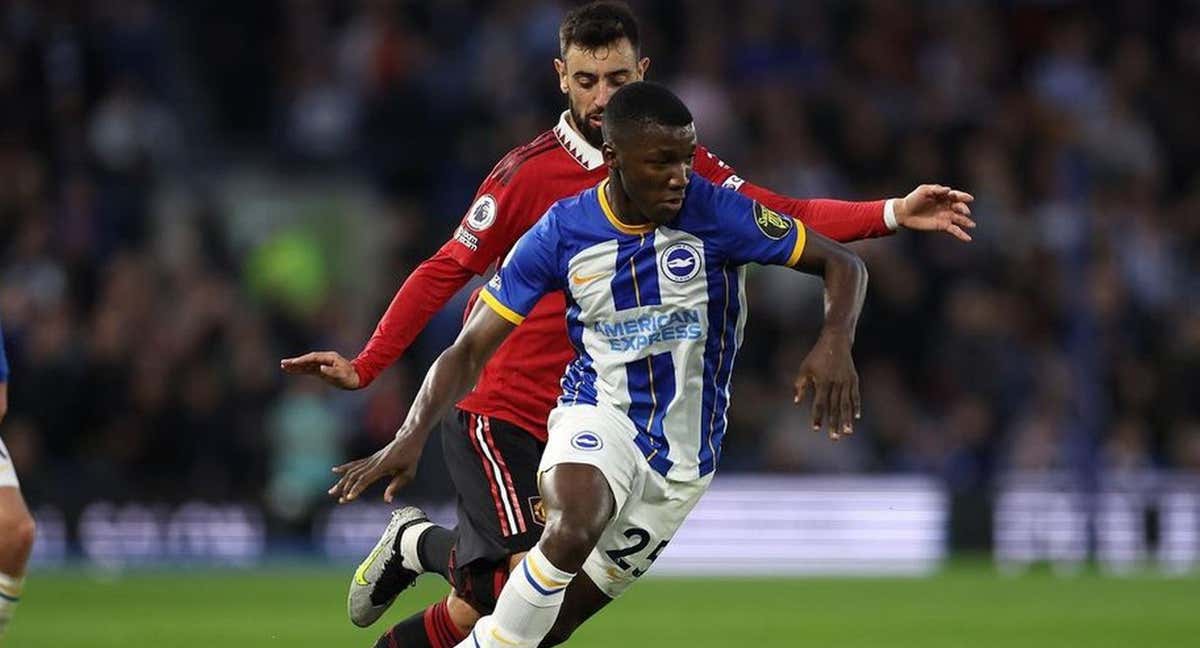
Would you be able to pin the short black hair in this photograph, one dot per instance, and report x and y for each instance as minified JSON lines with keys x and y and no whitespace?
{"x":597,"y":24}
{"x":642,"y":104}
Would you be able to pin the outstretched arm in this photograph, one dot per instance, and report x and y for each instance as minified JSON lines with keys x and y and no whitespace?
{"x":931,"y":208}
{"x":829,"y":368}
{"x":449,"y":379}
{"x":423,"y":294}
{"x":928,"y":208}
{"x":505,"y":205}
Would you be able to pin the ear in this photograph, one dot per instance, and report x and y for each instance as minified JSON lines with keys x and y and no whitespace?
{"x":561,"y":69}
{"x":642,"y":66}
{"x":610,"y":156}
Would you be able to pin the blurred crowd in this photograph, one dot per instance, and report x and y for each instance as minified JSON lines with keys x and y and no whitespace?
{"x":145,"y":313}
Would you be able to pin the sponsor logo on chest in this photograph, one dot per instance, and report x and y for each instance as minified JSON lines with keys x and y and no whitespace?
{"x":636,"y":333}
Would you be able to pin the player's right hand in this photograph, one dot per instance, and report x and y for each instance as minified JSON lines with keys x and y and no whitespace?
{"x":329,"y":366}
{"x":829,"y":371}
{"x":398,"y":459}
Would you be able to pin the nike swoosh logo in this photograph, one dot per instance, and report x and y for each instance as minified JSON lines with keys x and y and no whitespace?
{"x":360,"y":574}
{"x":579,"y":279}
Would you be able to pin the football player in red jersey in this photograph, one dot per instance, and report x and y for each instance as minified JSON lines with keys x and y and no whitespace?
{"x":493,"y":448}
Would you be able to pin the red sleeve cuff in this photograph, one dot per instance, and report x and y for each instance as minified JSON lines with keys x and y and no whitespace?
{"x":364,"y":378}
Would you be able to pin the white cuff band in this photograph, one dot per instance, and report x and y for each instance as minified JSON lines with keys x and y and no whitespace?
{"x":889,"y":214}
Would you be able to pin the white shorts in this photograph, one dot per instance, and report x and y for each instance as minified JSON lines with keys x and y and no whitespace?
{"x":650,"y":507}
{"x":8,"y":474}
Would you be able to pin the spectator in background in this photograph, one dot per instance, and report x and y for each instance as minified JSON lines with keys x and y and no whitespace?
{"x":1073,"y":125}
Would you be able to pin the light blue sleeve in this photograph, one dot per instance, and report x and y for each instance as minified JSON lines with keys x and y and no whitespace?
{"x":529,"y":271}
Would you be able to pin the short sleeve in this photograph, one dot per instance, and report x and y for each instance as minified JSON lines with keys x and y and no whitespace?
{"x":529,"y":272}
{"x":753,"y":233}
{"x":494,"y":221}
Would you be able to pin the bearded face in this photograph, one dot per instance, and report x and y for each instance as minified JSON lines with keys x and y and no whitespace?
{"x":589,"y":77}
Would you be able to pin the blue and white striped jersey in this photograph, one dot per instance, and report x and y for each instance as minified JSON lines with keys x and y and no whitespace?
{"x":655,"y":314}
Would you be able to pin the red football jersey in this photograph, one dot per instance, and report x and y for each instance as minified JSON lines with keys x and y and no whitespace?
{"x":520,"y":384}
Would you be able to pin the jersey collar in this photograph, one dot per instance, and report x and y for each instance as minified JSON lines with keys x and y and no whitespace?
{"x":612,"y":216}
{"x":588,"y":156}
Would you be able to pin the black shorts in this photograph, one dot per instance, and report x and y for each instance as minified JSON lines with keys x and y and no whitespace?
{"x":494,"y":465}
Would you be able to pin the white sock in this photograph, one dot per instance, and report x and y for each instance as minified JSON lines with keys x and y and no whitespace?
{"x":409,"y":541}
{"x":526,"y":608}
{"x":10,"y":595}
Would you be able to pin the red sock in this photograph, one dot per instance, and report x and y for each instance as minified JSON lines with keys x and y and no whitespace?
{"x":432,"y":628}
{"x":440,"y":628}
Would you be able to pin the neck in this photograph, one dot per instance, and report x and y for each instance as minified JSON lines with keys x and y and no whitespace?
{"x":574,"y":126}
{"x":623,"y":207}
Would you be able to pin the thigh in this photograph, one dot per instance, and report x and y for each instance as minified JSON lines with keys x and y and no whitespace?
{"x":494,"y":468}
{"x":12,"y":506}
{"x":587,"y":436}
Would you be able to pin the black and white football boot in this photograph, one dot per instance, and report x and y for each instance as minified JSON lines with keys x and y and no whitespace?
{"x":390,"y":568}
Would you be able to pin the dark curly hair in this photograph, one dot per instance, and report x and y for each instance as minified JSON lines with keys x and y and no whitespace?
{"x":597,"y":24}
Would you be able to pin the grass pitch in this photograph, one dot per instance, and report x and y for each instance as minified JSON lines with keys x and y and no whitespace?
{"x":967,"y":606}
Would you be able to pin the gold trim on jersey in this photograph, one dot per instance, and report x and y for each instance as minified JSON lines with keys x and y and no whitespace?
{"x":798,"y":250}
{"x":612,"y":216}
{"x":507,"y":313}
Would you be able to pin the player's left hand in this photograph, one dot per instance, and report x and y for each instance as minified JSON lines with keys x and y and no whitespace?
{"x":935,"y":208}
{"x":397,"y":459}
{"x":829,"y":371}
{"x":329,"y":366}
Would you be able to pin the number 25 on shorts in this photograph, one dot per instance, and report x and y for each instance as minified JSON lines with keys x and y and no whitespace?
{"x":641,"y":538}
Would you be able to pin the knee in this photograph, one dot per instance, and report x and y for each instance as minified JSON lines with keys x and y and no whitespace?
{"x":22,"y":534}
{"x":476,"y":586}
{"x":579,"y":505}
{"x":26,"y":532}
{"x":568,"y":540}
{"x":461,"y":613}
{"x":577,"y":529}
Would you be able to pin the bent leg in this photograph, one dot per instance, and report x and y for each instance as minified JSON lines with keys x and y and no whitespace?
{"x":462,"y":615}
{"x":434,"y":627}
{"x":579,"y":505}
{"x":16,"y":543}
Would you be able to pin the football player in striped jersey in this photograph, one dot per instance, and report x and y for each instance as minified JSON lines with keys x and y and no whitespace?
{"x":494,"y":443}
{"x":651,"y":262}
